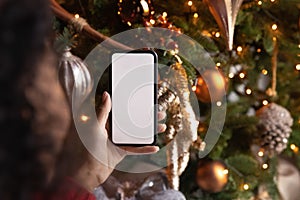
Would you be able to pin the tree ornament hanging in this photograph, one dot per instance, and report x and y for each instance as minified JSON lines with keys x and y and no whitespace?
{"x":181,"y":125}
{"x":211,"y":86}
{"x":75,"y":78}
{"x":275,"y":128}
{"x":134,"y":11}
{"x":212,"y":176}
{"x":225,"y":13}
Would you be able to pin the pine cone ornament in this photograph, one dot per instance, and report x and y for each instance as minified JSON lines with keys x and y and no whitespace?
{"x":275,"y":125}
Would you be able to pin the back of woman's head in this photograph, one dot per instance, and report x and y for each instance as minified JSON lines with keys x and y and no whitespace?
{"x":32,"y":106}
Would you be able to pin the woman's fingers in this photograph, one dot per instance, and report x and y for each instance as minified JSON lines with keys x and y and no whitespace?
{"x":161,"y":128}
{"x":130,"y":150}
{"x":161,"y":115}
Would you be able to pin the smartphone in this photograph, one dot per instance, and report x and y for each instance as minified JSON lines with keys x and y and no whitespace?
{"x":133,"y":118}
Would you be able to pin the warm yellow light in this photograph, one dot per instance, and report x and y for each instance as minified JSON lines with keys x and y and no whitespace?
{"x":239,"y":49}
{"x":225,"y":171}
{"x":218,"y":64}
{"x":218,"y":34}
{"x":264,"y":72}
{"x":260,"y":153}
{"x":248,"y":91}
{"x":119,"y":12}
{"x":298,"y":67}
{"x":242,"y":75}
{"x":190,"y":3}
{"x":219,"y":103}
{"x":152,"y":21}
{"x":165,"y":14}
{"x":274,"y":27}
{"x":299,"y":46}
{"x":129,"y":24}
{"x":258,"y":50}
{"x":152,"y":12}
{"x":231,"y":75}
{"x":272,"y":1}
{"x":76,"y":16}
{"x":292,"y":146}
{"x":84,"y":118}
{"x":194,"y":88}
{"x":145,"y":7}
{"x":265,"y":166}
{"x":259,"y":3}
{"x":274,"y":38}
{"x":246,"y":186}
{"x":265,"y":102}
{"x":196,"y":15}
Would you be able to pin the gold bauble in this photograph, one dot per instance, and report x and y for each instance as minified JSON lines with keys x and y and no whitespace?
{"x":212,"y":176}
{"x":211,"y":86}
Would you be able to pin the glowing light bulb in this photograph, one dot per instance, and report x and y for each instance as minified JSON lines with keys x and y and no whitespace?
{"x":165,"y":14}
{"x":265,"y":166}
{"x":298,"y":67}
{"x":190,"y":3}
{"x":264,"y":72}
{"x":272,"y":1}
{"x":259,"y":3}
{"x":258,"y":50}
{"x":84,"y":118}
{"x":76,"y":16}
{"x":219,"y":103}
{"x":242,"y":75}
{"x":119,"y":12}
{"x":194,"y":88}
{"x":248,"y":91}
{"x":260,"y":153}
{"x":265,"y":102}
{"x":231,"y":75}
{"x":246,"y":186}
{"x":218,"y":64}
{"x":218,"y":34}
{"x":196,"y":15}
{"x":152,"y":21}
{"x":225,"y":171}
{"x":274,"y":27}
{"x":239,"y":49}
{"x":129,"y":24}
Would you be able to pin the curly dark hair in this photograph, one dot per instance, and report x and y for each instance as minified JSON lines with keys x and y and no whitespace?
{"x":30,"y":120}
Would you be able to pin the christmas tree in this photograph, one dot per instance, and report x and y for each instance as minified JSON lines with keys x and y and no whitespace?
{"x":259,"y":68}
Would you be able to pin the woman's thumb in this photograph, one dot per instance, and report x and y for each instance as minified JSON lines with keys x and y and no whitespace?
{"x":104,"y":109}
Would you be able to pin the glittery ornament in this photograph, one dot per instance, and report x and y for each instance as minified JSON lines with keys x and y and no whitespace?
{"x":275,"y":127}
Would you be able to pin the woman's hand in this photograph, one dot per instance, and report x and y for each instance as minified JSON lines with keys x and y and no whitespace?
{"x":95,"y":171}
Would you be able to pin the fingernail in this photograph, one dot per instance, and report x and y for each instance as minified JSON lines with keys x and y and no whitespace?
{"x":104,"y":97}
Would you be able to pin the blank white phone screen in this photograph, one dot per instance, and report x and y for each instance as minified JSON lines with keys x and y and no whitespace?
{"x":133,"y":103}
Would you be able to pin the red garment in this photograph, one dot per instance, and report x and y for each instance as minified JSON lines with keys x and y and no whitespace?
{"x":68,"y":190}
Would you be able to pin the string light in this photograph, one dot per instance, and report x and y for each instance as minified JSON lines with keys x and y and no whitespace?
{"x":231,"y":75}
{"x":129,"y":24}
{"x":225,"y":171}
{"x":190,"y":3}
{"x":258,"y":50}
{"x":265,"y":166}
{"x":272,"y":1}
{"x":218,"y":34}
{"x":76,"y":16}
{"x":299,"y":46}
{"x":265,"y":102}
{"x":218,"y":64}
{"x":194,"y":88}
{"x":274,"y":39}
{"x":274,"y":27}
{"x":165,"y":14}
{"x":260,"y":153}
{"x":242,"y":75}
{"x":152,"y":21}
{"x":239,"y":49}
{"x":196,"y":15}
{"x":294,"y":148}
{"x":248,"y":91}
{"x":84,"y":118}
{"x":119,"y":12}
{"x":264,"y":72}
{"x":219,"y":103}
{"x":298,"y":67}
{"x":259,"y":3}
{"x":246,"y":186}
